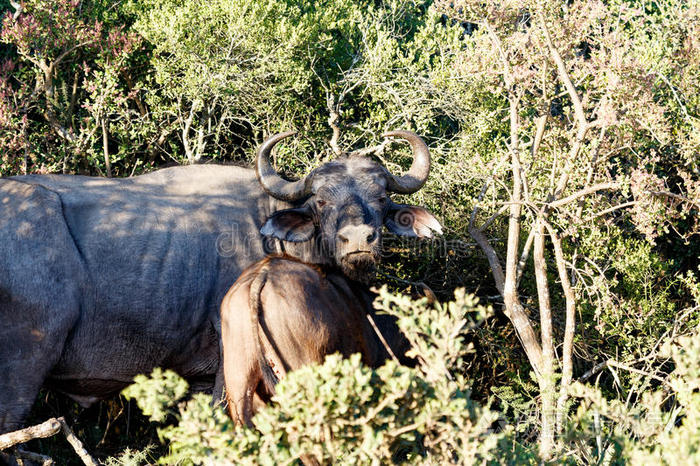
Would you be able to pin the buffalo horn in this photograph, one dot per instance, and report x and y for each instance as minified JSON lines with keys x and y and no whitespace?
{"x":420,"y":168}
{"x":272,"y":183}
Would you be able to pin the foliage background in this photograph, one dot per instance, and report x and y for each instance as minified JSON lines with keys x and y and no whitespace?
{"x":121,"y":88}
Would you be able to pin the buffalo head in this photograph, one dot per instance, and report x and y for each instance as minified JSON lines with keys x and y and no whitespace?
{"x":343,"y":204}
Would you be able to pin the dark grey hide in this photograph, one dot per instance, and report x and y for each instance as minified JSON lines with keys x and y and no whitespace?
{"x":104,"y":279}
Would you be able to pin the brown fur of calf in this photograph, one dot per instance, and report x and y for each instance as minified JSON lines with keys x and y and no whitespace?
{"x":282,"y":314}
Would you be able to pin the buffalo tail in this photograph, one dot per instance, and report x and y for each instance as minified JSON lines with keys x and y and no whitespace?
{"x":255,"y":304}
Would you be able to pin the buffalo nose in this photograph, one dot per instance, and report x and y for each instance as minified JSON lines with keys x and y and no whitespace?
{"x":357,"y":237}
{"x":372,"y":236}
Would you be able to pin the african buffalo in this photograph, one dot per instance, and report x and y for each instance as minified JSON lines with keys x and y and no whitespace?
{"x":282,"y":314}
{"x":103,"y":279}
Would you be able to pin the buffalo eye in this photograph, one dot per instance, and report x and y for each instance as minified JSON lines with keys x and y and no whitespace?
{"x":321,"y":203}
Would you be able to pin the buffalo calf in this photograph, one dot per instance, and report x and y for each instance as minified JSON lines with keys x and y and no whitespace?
{"x":282,"y":314}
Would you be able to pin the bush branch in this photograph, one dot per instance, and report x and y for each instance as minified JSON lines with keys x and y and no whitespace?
{"x":583,"y":192}
{"x":43,"y":430}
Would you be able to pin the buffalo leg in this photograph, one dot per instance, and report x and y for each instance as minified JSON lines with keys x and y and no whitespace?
{"x":28,"y":351}
{"x":240,"y":391}
{"x":240,"y":362}
{"x":42,"y":279}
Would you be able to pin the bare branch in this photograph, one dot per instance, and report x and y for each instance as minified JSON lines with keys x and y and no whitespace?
{"x":492,"y":218}
{"x":678,"y":197}
{"x":611,"y":209}
{"x":507,"y":75}
{"x":73,"y":96}
{"x":569,"y":328}
{"x":582,"y":122}
{"x":526,"y":253}
{"x":60,"y":58}
{"x":381,"y":337}
{"x":61,"y":130}
{"x":593,"y":371}
{"x":509,"y":291}
{"x":18,"y":9}
{"x":189,"y":150}
{"x":475,"y":210}
{"x":514,"y":310}
{"x":613,"y":363}
{"x":673,"y":90}
{"x":48,"y":71}
{"x":333,"y":120}
{"x":526,"y":334}
{"x":564,"y":76}
{"x":543,"y":296}
{"x":583,"y":192}
{"x":35,"y":458}
{"x":593,"y":164}
{"x":105,"y":149}
{"x":43,"y":430}
{"x":491,"y":256}
{"x":373,"y":150}
{"x":76,"y":444}
{"x":539,"y":133}
{"x":135,"y":95}
{"x":546,"y":382}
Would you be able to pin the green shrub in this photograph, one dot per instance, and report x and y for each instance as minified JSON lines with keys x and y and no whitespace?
{"x":178,"y":81}
{"x":661,"y":427}
{"x":344,"y":412}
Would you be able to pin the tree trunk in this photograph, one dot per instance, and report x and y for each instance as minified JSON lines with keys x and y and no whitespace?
{"x":105,"y":149}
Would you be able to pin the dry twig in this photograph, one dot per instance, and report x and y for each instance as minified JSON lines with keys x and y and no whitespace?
{"x":44,"y":430}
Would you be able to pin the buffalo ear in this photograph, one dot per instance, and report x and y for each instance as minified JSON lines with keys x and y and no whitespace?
{"x":294,"y":225}
{"x":412,"y":221}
